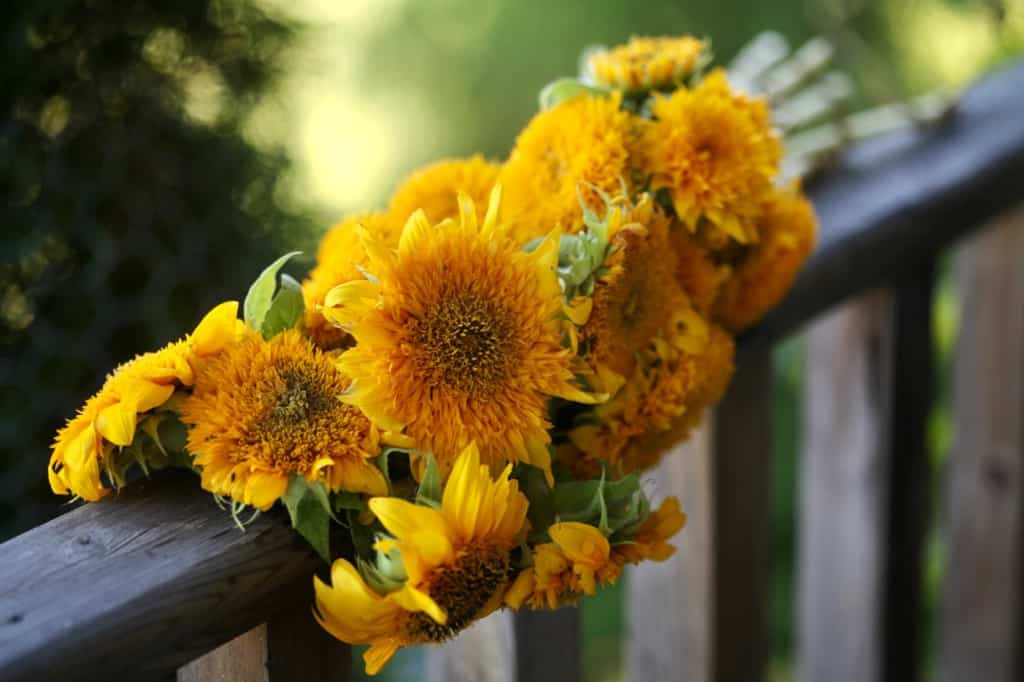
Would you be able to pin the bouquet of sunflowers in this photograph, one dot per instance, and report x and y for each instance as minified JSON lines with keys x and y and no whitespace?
{"x":456,"y":405}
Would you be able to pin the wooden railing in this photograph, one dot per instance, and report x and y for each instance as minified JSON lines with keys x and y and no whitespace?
{"x":142,"y":585}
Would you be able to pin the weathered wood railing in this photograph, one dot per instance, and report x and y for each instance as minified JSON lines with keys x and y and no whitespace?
{"x":137,"y":587}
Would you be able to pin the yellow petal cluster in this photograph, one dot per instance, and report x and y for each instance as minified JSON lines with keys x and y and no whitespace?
{"x":715,"y":153}
{"x":262,"y":411}
{"x":560,"y":160}
{"x":646,"y":63}
{"x":108,"y":420}
{"x":457,"y":338}
{"x":456,"y":558}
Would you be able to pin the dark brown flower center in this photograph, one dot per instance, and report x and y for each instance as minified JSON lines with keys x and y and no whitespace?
{"x":462,"y":589}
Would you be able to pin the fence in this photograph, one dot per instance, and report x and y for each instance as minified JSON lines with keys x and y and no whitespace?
{"x":143,"y":585}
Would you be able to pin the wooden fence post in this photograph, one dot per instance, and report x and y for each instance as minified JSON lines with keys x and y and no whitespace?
{"x":980,"y":625}
{"x":243,"y":659}
{"x":668,"y":607}
{"x":548,"y":646}
{"x":843,"y":495}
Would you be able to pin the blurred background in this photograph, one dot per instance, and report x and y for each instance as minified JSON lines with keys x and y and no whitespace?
{"x":155,"y":155}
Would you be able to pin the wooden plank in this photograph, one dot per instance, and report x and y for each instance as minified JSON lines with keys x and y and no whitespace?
{"x":843,"y":495}
{"x":980,"y":624}
{"x":669,"y":604}
{"x":243,"y":659}
{"x":909,"y":486}
{"x":483,"y":652}
{"x":742,"y":509}
{"x":548,"y":646}
{"x":895,"y":201}
{"x":137,"y":586}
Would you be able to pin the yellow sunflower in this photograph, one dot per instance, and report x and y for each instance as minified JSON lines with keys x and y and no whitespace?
{"x":679,"y":376}
{"x":559,"y":158}
{"x":109,"y":418}
{"x":435,"y":189}
{"x":338,"y":259}
{"x":788,"y":227}
{"x":650,"y":540}
{"x":715,"y":152}
{"x":264,"y":410}
{"x":635,"y":301}
{"x":456,"y":560}
{"x":647,"y":63}
{"x":457,"y":338}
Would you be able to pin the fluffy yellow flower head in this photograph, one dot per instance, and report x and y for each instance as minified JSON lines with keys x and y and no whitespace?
{"x":264,"y":410}
{"x":338,"y":259}
{"x":635,"y":300}
{"x":646,"y":63}
{"x":561,"y":156}
{"x":458,"y":338}
{"x":436,"y":188}
{"x":456,"y":560}
{"x":679,"y":376}
{"x":715,"y":152}
{"x":109,"y":418}
{"x":788,"y":229}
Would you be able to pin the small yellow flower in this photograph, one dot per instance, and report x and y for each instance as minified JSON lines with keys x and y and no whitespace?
{"x":456,"y":559}
{"x":763,"y":277}
{"x":680,"y":375}
{"x":647,"y":63}
{"x":338,"y":259}
{"x":109,"y":418}
{"x":436,"y":188}
{"x":458,"y":338}
{"x":715,"y":152}
{"x":650,"y":541}
{"x":264,"y":410}
{"x":560,"y":157}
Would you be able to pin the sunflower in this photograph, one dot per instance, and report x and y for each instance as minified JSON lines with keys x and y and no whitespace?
{"x":560,"y":158}
{"x":716,"y":154}
{"x":265,"y":410}
{"x":646,"y":63}
{"x":435,"y":188}
{"x":457,"y":338}
{"x":109,"y":418}
{"x":338,"y":259}
{"x":788,"y":228}
{"x":637,"y":297}
{"x":678,"y":377}
{"x":456,"y":561}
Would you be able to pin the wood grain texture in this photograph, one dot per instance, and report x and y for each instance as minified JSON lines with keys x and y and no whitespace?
{"x":483,"y":652}
{"x":669,"y":604}
{"x":742,"y":508}
{"x":895,"y":201}
{"x":980,"y":624}
{"x":243,"y":659}
{"x":135,"y":587}
{"x":843,"y":495}
{"x":548,"y":646}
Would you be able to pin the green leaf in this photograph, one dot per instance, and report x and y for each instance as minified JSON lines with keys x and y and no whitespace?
{"x":541,"y":511}
{"x":310,"y":512}
{"x":429,"y":492}
{"x":580,"y":501}
{"x":286,"y":309}
{"x":261,"y":293}
{"x":557,"y":91}
{"x":344,"y":500}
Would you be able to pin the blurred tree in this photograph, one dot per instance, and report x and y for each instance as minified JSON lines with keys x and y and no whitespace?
{"x":132,"y":203}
